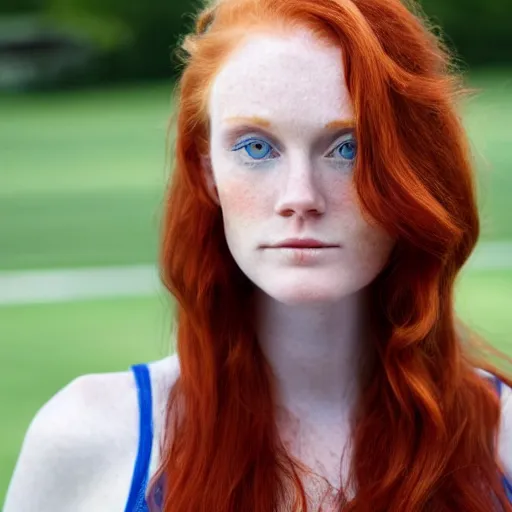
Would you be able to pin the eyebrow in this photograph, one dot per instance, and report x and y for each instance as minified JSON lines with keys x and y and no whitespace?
{"x":259,"y":121}
{"x":341,"y":123}
{"x":265,"y":123}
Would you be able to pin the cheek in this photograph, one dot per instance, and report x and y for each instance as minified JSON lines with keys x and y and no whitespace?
{"x":345,"y":206}
{"x":342,"y":193}
{"x":241,"y":203}
{"x":372,"y":244}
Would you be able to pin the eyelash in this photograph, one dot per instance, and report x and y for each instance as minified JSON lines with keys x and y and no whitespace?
{"x":255,"y":161}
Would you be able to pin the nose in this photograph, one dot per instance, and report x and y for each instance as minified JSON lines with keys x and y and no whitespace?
{"x":299,"y":194}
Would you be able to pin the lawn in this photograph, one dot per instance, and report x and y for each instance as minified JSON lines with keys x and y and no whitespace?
{"x":81,"y":184}
{"x":82,"y":177}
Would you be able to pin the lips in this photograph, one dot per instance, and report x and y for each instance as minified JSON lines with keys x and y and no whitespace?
{"x":302,"y":243}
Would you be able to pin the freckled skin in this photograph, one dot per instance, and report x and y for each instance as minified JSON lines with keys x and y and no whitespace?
{"x":298,"y":85}
{"x":315,"y":447}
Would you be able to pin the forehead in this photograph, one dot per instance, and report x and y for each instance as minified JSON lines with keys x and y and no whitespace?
{"x":288,"y":78}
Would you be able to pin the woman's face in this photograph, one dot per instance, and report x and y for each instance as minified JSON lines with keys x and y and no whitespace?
{"x":282,"y":151}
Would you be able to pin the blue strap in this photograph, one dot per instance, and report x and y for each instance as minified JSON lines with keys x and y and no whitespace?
{"x":508,"y":488}
{"x":136,"y":498}
{"x":497,"y":383}
{"x":506,"y":483}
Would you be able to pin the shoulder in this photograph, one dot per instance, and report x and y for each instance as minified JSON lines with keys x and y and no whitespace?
{"x":163,"y":374}
{"x":73,"y":440}
{"x":505,"y":430}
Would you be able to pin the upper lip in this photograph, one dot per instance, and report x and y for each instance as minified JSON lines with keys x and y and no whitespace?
{"x":302,"y":243}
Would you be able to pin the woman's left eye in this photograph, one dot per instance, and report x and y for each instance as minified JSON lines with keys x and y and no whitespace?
{"x":347,"y":150}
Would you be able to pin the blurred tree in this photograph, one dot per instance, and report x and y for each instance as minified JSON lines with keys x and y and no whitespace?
{"x":136,"y":38}
{"x":21,"y":6}
{"x":479,"y":30}
{"x":139,"y":36}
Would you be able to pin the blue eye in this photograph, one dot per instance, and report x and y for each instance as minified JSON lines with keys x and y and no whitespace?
{"x":257,"y":149}
{"x":346,"y":150}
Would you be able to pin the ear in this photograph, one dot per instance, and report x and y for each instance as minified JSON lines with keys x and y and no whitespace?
{"x":206,"y":166}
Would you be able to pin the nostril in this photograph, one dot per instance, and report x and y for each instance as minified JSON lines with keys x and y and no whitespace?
{"x":307,"y":212}
{"x":287,"y":213}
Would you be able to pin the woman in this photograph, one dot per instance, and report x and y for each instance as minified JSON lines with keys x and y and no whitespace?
{"x":322,"y":204}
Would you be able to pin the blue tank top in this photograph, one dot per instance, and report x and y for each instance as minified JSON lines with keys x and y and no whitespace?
{"x":137,"y":495}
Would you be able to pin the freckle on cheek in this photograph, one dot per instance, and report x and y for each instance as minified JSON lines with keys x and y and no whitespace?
{"x":344,"y":196}
{"x":238,"y":199}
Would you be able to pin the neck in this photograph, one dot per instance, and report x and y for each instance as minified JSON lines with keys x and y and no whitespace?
{"x":315,"y":352}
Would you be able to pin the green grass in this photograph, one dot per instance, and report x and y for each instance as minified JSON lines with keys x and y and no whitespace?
{"x":487,"y":119}
{"x":82,"y":177}
{"x":484,"y":301}
{"x":79,"y":228}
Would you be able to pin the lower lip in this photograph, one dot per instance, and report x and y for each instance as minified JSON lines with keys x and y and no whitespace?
{"x":303,"y":255}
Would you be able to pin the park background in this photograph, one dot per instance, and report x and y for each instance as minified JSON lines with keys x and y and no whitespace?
{"x":85,"y":96}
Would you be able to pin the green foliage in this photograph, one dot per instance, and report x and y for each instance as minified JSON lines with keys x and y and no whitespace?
{"x":479,"y":30}
{"x":140,"y":36}
{"x":21,"y":6}
{"x":137,"y":38}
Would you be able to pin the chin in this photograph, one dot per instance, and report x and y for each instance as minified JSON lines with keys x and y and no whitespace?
{"x":295,"y":294}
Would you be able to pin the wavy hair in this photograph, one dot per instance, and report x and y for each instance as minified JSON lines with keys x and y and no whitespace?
{"x":426,"y":428}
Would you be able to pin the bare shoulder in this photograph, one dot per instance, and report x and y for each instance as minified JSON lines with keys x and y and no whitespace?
{"x":73,"y":442}
{"x":164,"y":374}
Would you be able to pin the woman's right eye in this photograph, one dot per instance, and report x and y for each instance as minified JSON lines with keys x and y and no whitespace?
{"x":255,"y":149}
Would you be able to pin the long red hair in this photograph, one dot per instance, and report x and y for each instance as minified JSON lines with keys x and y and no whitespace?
{"x":427,"y":423}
